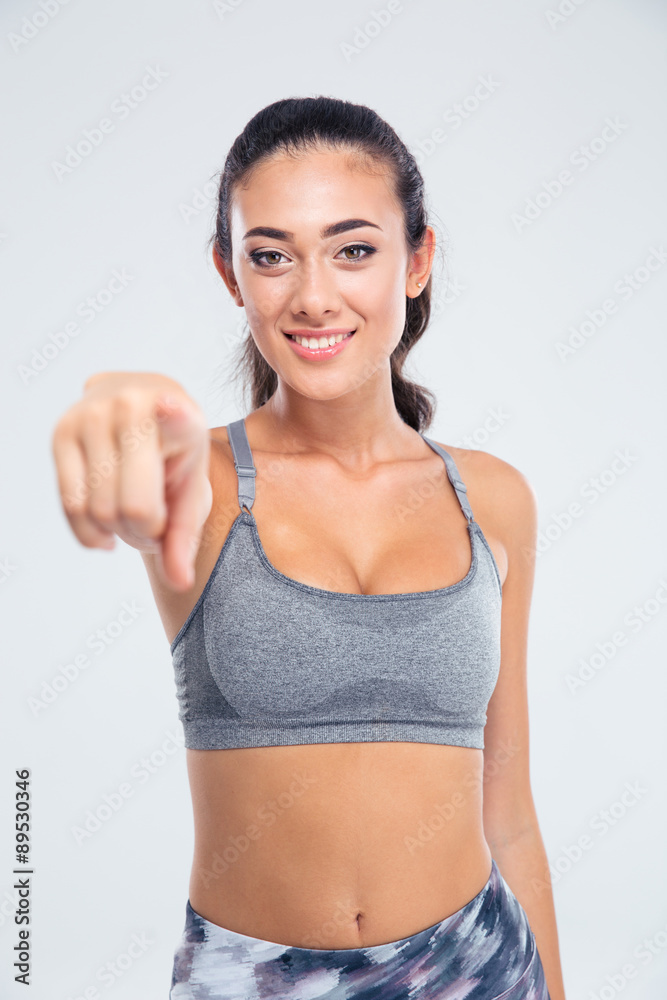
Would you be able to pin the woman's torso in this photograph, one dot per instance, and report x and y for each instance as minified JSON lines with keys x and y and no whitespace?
{"x":348,"y":844}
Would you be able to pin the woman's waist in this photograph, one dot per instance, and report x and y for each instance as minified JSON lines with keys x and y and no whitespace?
{"x":361,"y":845}
{"x":324,"y":902}
{"x":356,"y":806}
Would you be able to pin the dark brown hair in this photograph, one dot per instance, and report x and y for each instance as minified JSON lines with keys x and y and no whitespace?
{"x":299,"y":124}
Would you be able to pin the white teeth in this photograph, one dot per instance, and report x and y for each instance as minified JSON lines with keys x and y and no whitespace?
{"x":314,"y":343}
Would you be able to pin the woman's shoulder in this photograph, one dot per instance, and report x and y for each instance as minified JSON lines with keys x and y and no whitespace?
{"x":224,"y":484}
{"x":220,"y":440}
{"x":502,"y":497}
{"x":488,"y":474}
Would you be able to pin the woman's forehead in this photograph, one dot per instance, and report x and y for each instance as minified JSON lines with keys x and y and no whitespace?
{"x":311,"y":192}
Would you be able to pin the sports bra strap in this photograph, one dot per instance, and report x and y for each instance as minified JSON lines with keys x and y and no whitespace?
{"x":243,"y":463}
{"x":454,"y":478}
{"x":246,"y":471}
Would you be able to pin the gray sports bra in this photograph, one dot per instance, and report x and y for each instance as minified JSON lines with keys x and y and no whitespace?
{"x":263,"y":660}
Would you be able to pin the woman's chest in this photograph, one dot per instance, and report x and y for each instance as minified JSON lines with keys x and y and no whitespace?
{"x":277,"y":648}
{"x":380,"y":537}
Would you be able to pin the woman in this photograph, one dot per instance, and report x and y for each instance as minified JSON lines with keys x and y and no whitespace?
{"x":349,"y":625}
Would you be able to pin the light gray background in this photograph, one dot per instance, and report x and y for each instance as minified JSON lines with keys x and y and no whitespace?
{"x":491,"y":347}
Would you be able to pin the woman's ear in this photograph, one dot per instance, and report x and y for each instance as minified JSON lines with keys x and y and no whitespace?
{"x":227,"y":276}
{"x":421,"y":263}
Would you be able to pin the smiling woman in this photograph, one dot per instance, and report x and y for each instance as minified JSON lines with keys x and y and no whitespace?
{"x":350,"y":650}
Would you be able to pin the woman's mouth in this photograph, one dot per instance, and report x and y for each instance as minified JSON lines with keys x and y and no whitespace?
{"x":325,"y":345}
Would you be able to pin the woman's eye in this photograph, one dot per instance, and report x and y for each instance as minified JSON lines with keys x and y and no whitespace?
{"x":257,"y":255}
{"x":359,"y":246}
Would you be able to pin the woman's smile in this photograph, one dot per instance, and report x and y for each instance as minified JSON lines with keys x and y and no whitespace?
{"x":321,"y":346}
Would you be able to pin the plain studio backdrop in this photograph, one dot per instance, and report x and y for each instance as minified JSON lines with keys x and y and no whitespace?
{"x":540,"y":131}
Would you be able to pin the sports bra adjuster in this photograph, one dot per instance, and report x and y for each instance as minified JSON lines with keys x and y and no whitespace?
{"x":245,"y":470}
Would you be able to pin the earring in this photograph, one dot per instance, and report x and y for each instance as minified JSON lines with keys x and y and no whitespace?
{"x":419,"y":284}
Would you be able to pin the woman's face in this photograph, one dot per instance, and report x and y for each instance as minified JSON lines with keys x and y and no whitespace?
{"x":297,"y":279}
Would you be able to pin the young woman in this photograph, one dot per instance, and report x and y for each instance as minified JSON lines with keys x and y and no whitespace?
{"x":346,"y":601}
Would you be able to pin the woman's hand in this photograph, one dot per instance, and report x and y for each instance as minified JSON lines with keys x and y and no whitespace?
{"x":132,"y":459}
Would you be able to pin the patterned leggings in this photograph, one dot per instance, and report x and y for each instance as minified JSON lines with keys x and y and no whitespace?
{"x":484,"y":951}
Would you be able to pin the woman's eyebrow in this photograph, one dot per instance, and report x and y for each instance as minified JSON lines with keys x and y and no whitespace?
{"x":332,"y":230}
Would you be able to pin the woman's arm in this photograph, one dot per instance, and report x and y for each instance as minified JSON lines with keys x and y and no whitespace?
{"x":510,"y":821}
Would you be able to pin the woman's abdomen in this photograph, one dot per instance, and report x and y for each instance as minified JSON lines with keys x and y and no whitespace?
{"x":336,"y":845}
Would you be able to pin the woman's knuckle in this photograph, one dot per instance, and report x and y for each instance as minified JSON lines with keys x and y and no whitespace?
{"x":130,"y":402}
{"x":97,"y":412}
{"x":102,"y":510}
{"x":73,"y":506}
{"x":136,"y":512}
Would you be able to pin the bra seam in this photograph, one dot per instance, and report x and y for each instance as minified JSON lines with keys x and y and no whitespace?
{"x":320,"y":592}
{"x":452,"y":477}
{"x":493,"y":558}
